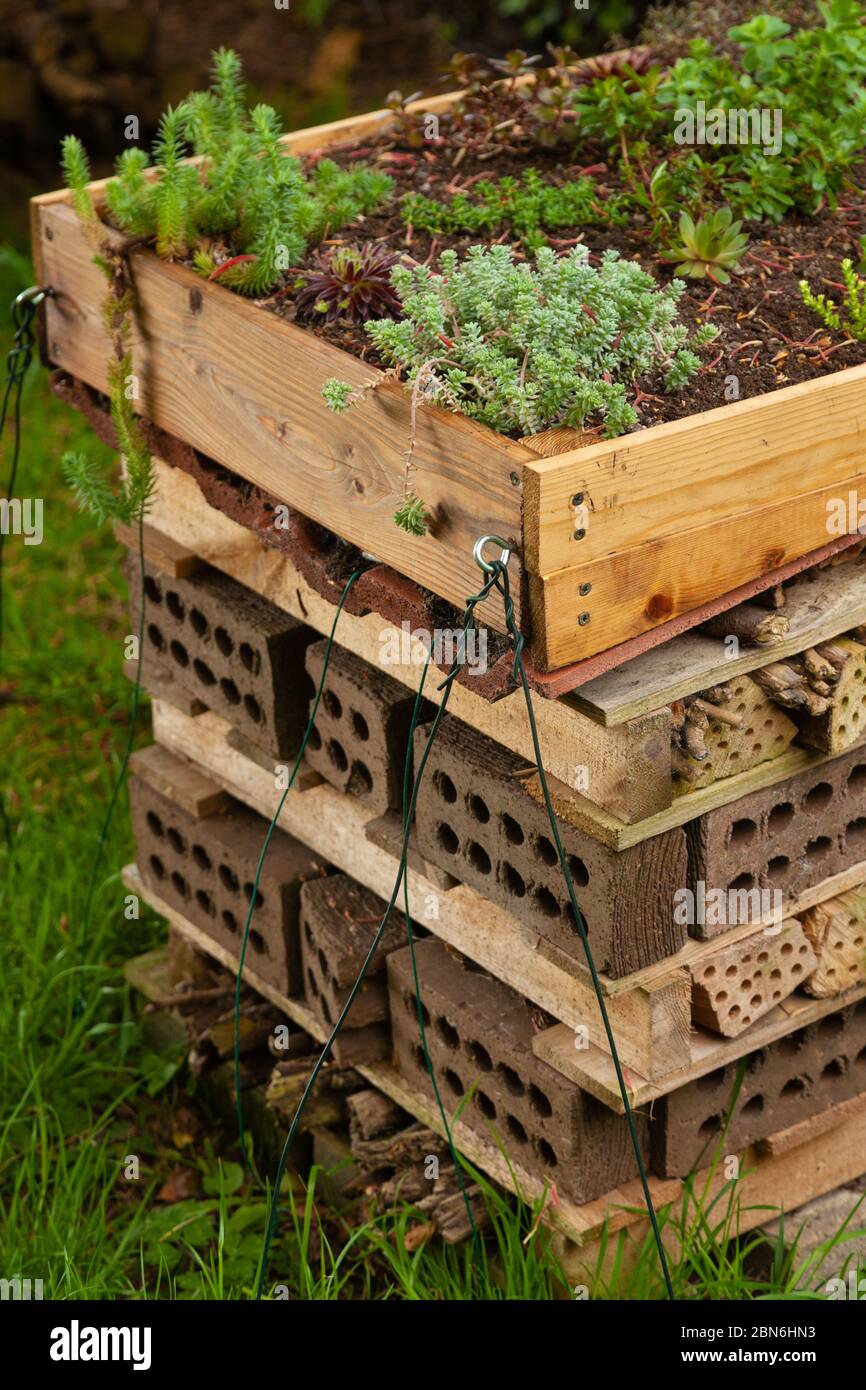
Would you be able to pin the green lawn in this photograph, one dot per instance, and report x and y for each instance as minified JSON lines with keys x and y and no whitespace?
{"x":80,"y":1091}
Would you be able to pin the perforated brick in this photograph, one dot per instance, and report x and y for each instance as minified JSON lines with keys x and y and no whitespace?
{"x":479,"y":1034}
{"x":339,"y":919}
{"x":476,"y":821}
{"x":205,"y":869}
{"x":787,"y":1081}
{"x":787,"y":837}
{"x":742,"y":982}
{"x":239,"y":654}
{"x":358,"y":742}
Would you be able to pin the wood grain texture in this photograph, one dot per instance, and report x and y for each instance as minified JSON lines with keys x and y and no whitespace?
{"x":818,"y":606}
{"x":794,"y":1175}
{"x":635,"y":590}
{"x":334,"y":826}
{"x":592,"y":1068}
{"x":626,"y":771}
{"x":244,"y":386}
{"x":659,"y":482}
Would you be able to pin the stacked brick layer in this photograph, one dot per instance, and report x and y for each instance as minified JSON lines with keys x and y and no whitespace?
{"x":358,"y":742}
{"x":476,"y":821}
{"x":479,"y":1034}
{"x":787,"y":1081}
{"x":239,"y":654}
{"x":206,"y":869}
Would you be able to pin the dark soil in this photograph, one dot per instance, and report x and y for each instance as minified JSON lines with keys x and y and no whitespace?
{"x":768,"y":338}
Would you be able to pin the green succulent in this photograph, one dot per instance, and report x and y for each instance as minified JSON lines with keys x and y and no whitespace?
{"x":712,"y":247}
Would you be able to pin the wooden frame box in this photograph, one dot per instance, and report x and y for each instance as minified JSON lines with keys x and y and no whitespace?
{"x":611,"y":539}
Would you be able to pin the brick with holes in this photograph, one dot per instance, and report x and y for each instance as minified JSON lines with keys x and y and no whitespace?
{"x":358,"y":743}
{"x":239,"y":654}
{"x":788,"y":837}
{"x":479,"y":1035}
{"x":205,"y":869}
{"x":476,"y":820}
{"x":339,"y":919}
{"x":800,"y":1075}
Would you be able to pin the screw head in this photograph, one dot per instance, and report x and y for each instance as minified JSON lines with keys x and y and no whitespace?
{"x":577,"y":499}
{"x":579,"y":533}
{"x":585,"y":589}
{"x":583,"y":619}
{"x":515,"y":479}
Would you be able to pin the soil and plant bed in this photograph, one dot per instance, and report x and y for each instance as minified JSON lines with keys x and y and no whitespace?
{"x":732,"y":400}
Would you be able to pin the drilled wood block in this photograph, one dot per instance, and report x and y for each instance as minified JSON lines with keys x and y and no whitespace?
{"x":837,"y":932}
{"x":742,"y":982}
{"x":764,"y":732}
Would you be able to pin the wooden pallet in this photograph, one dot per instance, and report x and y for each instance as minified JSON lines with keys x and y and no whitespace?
{"x":752,"y":478}
{"x":649,"y":1011}
{"x":784,"y":1171}
{"x":625,"y":765}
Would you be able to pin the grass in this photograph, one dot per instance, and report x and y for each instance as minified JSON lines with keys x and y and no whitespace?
{"x":83,"y":1094}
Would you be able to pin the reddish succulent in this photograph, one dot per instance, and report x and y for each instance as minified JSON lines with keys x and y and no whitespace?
{"x":352,"y":282}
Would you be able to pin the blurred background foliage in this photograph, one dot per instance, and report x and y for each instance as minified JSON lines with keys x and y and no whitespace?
{"x":85,"y":65}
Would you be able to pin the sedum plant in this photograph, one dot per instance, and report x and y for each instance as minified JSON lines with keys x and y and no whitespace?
{"x":246,"y":211}
{"x":850,"y":316}
{"x":524,"y":347}
{"x":526,"y":206}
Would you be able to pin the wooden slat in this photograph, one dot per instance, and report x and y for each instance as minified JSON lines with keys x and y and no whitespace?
{"x":334,"y":826}
{"x":635,"y":590}
{"x":244,"y":386}
{"x":577,"y":811}
{"x":820,"y":606}
{"x":660,"y":482}
{"x":792,"y":1176}
{"x":628,"y":774}
{"x":592,"y":1068}
{"x":166,"y":555}
{"x":784,"y":1140}
{"x":180,"y":781}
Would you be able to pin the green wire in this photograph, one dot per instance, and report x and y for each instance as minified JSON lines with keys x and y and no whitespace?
{"x":503,"y":586}
{"x":78,"y":1007}
{"x":409,"y":816}
{"x":428,"y":1061}
{"x":268,"y":837}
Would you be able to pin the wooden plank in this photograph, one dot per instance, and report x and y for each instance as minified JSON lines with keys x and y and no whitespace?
{"x":818,"y":606}
{"x":244,"y":386}
{"x":577,"y":810}
{"x":740,"y":458}
{"x":784,"y":1140}
{"x":180,"y":780}
{"x":635,"y":590}
{"x":628,"y":774}
{"x":165,"y":554}
{"x":765,"y":1180}
{"x":568,"y":1217}
{"x":767,"y":1183}
{"x":334,"y":826}
{"x":592,"y":1068}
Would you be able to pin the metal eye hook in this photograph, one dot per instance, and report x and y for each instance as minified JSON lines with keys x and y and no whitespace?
{"x":478,"y":552}
{"x":34,"y":293}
